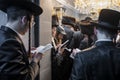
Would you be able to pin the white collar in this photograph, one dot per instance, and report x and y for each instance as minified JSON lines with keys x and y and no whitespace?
{"x":103,"y":40}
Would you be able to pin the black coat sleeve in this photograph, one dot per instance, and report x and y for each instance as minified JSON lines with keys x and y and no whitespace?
{"x":14,"y":62}
{"x":78,"y":69}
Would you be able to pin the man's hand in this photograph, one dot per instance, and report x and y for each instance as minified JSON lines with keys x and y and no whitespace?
{"x":36,"y":57}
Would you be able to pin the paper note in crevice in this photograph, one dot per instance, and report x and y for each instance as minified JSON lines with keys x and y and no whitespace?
{"x":43,"y":49}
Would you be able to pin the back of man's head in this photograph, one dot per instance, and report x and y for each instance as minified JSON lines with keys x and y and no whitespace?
{"x":14,"y":13}
{"x":107,"y":32}
{"x":108,"y":22}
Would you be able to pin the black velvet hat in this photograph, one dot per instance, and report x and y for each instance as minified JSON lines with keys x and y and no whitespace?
{"x":55,"y":21}
{"x":69,"y":20}
{"x":109,"y":19}
{"x":86,"y":22}
{"x":86,"y":27}
{"x":23,"y":4}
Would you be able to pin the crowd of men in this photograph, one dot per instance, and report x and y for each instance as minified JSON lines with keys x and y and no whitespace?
{"x":91,"y":51}
{"x":83,"y":50}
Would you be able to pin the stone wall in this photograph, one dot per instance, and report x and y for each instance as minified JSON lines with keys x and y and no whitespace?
{"x":45,"y":37}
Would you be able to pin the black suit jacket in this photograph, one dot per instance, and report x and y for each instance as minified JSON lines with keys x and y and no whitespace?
{"x":101,"y":62}
{"x":14,"y":63}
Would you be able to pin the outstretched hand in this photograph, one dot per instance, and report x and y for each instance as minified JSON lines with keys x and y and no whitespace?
{"x":36,"y":57}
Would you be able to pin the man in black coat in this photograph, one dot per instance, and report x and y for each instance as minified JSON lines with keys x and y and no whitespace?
{"x":102,"y":61}
{"x":14,"y":59}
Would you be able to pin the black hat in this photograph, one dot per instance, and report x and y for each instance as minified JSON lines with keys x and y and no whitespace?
{"x":108,"y":19}
{"x":85,"y":22}
{"x":88,"y":18}
{"x":86,"y":27}
{"x":55,"y":21}
{"x":24,"y":4}
{"x":68,"y":20}
{"x":61,"y":30}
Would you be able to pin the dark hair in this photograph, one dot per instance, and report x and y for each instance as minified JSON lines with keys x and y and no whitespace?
{"x":13,"y":13}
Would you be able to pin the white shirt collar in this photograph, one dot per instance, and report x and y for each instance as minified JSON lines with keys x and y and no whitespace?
{"x":103,"y":40}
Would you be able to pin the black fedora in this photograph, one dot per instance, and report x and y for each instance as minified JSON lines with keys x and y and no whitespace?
{"x":109,"y":19}
{"x":24,"y":4}
{"x":61,"y":30}
{"x":55,"y":21}
{"x":86,"y":22}
{"x":86,"y":26}
{"x":68,"y":20}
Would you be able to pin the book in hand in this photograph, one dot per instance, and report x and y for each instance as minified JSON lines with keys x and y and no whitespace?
{"x":42,"y":49}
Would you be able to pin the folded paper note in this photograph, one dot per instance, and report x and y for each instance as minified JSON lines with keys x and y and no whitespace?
{"x":42,"y":49}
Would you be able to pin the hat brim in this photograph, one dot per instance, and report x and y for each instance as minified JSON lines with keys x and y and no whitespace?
{"x":85,"y":23}
{"x":24,"y":4}
{"x":63,"y":33}
{"x":104,"y":25}
{"x":69,"y":23}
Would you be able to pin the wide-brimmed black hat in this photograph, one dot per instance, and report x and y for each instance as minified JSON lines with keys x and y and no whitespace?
{"x":55,"y":21}
{"x":23,"y":4}
{"x":68,"y":20}
{"x":86,"y":27}
{"x":109,"y":19}
{"x":85,"y":22}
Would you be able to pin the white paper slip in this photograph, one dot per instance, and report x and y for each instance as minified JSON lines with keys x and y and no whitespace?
{"x":42,"y":49}
{"x":64,"y":43}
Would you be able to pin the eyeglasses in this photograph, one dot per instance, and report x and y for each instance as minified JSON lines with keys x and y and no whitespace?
{"x":32,"y":22}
